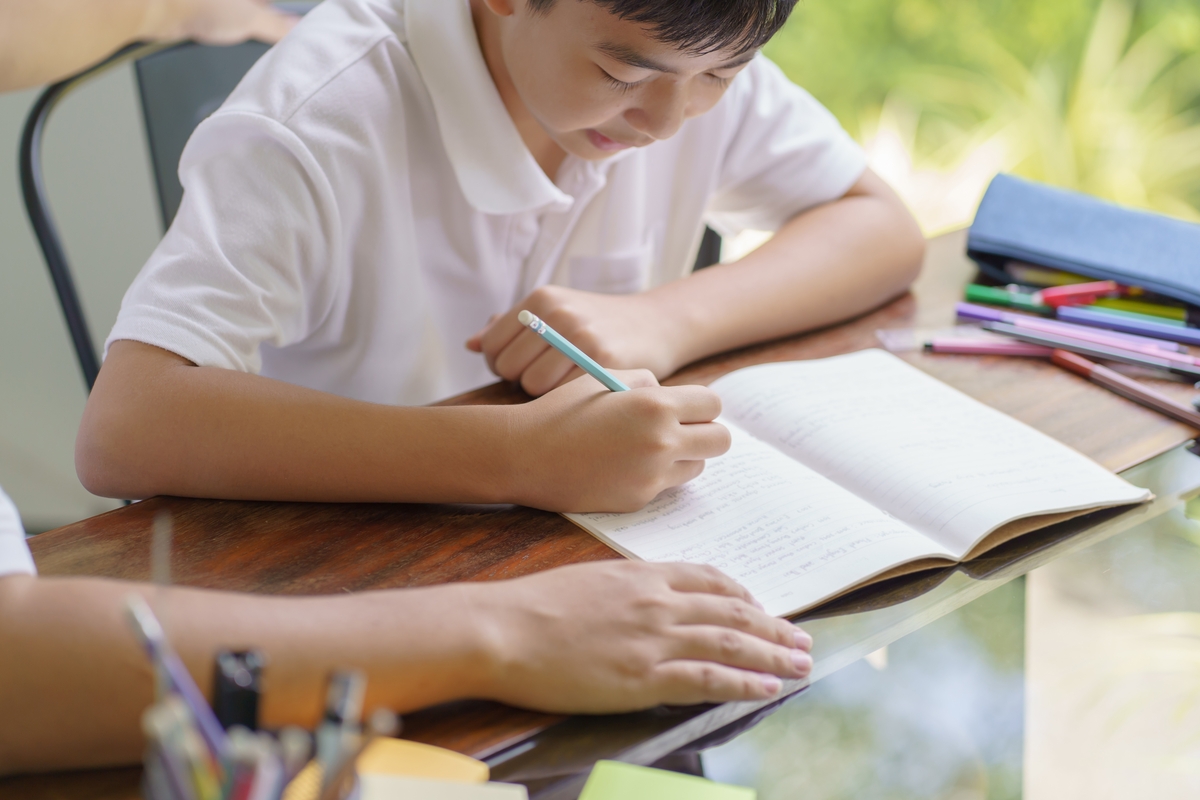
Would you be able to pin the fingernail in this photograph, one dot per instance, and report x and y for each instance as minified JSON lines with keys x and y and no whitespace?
{"x":802,"y":661}
{"x":771,"y":684}
{"x":803,"y":640}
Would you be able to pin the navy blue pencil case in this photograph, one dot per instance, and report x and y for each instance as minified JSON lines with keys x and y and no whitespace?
{"x":1019,"y":220}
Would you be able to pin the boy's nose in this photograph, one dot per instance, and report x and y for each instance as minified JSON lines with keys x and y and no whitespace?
{"x":660,"y":115}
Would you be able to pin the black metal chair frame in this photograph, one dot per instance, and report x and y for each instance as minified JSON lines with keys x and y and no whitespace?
{"x":33,"y":190}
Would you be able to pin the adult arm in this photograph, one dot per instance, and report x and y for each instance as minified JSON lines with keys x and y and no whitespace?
{"x":606,"y":637}
{"x":825,"y":265}
{"x":42,"y":41}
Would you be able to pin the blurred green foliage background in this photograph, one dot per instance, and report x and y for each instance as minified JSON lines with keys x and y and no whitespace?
{"x":1097,"y":95}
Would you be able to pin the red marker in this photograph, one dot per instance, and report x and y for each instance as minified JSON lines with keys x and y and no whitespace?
{"x":1076,"y":294}
{"x":1126,"y":387}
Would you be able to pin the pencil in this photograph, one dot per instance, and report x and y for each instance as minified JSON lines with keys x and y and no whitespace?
{"x":1126,"y":387}
{"x":581,"y":359}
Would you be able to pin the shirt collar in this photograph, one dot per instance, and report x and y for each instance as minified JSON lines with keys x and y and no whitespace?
{"x":495,"y":169}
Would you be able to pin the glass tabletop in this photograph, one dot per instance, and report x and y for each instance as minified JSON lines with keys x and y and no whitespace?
{"x":1078,"y":677}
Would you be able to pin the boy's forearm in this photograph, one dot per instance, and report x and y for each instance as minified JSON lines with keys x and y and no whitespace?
{"x":75,"y":680}
{"x":824,"y":266}
{"x":155,"y":424}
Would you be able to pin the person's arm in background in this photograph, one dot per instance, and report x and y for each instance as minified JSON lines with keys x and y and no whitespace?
{"x":601,"y":637}
{"x":42,"y":41}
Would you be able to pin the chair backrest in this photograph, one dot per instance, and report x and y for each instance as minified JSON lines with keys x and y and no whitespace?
{"x":179,"y":89}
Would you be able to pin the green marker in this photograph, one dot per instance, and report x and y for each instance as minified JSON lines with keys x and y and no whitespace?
{"x":999,"y":296}
{"x":1154,"y":311}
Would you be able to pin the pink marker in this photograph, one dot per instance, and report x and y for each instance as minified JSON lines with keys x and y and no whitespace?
{"x":987,"y":347}
{"x":1096,"y":337}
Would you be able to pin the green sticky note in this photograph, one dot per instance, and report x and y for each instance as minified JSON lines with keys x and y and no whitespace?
{"x":612,"y":780}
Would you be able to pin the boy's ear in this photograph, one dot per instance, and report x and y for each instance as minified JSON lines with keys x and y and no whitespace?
{"x":501,"y":8}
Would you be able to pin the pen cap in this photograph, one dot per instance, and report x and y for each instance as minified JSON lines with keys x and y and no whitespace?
{"x":237,"y":684}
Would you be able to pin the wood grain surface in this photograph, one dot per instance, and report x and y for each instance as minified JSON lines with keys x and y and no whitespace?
{"x":295,"y":548}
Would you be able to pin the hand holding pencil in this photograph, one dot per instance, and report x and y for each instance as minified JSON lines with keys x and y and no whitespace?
{"x":619,"y":331}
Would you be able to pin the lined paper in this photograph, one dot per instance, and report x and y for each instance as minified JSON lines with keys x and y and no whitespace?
{"x":948,"y":465}
{"x":844,"y":468}
{"x":789,"y":535}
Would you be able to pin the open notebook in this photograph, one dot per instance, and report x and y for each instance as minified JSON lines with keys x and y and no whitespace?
{"x":854,"y":468}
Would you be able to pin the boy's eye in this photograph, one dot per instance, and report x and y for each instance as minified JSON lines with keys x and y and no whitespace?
{"x":718,"y":80}
{"x":618,"y":84}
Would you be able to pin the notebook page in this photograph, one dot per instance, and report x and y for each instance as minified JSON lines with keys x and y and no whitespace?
{"x":949,"y":466}
{"x":784,"y":532}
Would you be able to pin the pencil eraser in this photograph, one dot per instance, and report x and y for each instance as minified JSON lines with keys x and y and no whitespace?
{"x":525,"y":318}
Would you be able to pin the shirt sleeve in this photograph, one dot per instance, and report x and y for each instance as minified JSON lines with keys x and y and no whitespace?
{"x":786,"y":154}
{"x":15,"y":558}
{"x":247,"y":261}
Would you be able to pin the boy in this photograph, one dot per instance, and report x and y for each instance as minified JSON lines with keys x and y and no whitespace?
{"x":402,"y":176}
{"x":597,"y":637}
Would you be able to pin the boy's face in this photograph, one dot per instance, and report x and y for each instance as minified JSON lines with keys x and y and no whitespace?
{"x":598,"y":84}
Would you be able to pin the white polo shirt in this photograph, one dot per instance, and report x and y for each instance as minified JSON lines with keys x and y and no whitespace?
{"x":363,"y":203}
{"x":14,"y":553}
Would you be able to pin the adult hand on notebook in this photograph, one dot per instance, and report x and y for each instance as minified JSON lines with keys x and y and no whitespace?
{"x":582,"y":447}
{"x":620,"y":331}
{"x":621,"y":635}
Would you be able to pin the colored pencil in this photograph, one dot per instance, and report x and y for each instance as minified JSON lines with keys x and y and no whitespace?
{"x":1126,"y":387}
{"x":581,"y":359}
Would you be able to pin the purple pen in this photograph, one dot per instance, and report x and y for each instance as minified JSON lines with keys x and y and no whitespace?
{"x":1110,"y":338}
{"x":1095,"y":319}
{"x":151,"y":635}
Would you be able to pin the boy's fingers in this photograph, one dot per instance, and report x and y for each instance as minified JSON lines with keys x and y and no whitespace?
{"x":475,"y":343}
{"x":511,"y":362}
{"x":546,"y":372}
{"x":499,"y":333}
{"x":736,"y":649}
{"x":572,"y":374}
{"x":694,"y":403}
{"x":703,"y":440}
{"x":636,"y":378}
{"x":735,"y":613}
{"x":689,"y":682}
{"x":682,"y":472}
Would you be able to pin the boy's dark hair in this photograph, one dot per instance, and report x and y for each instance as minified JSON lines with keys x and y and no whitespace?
{"x":700,"y":26}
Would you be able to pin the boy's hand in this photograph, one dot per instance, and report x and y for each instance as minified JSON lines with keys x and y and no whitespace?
{"x":624,"y":635}
{"x":584,"y":448}
{"x":620,"y":331}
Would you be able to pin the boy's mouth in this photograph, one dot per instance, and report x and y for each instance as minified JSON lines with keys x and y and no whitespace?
{"x":602,"y":142}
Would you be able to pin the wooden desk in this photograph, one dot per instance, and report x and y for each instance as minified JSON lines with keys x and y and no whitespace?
{"x":292,"y":548}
